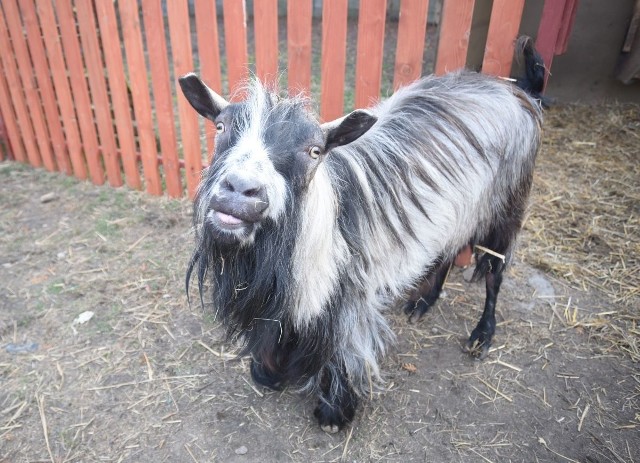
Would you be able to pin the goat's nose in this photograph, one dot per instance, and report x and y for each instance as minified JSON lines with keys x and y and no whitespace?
{"x":244,"y":185}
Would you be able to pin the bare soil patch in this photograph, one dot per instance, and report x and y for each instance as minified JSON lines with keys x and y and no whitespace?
{"x":149,"y":378}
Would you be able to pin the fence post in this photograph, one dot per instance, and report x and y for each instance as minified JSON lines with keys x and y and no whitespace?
{"x":235,"y":32}
{"x":412,"y":28}
{"x":266,"y":40}
{"x":66,"y":102}
{"x":40,"y":150}
{"x":455,"y":28}
{"x":334,"y":58}
{"x":182,"y":54}
{"x":161,"y":83}
{"x":503,"y":30}
{"x":23,"y":122}
{"x":10,"y":130}
{"x":299,"y":14}
{"x":371,"y":21}
{"x":139,"y":85}
{"x":45,"y":86}
{"x":5,"y":150}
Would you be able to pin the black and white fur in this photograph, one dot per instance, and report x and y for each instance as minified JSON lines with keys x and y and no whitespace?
{"x":308,"y":232}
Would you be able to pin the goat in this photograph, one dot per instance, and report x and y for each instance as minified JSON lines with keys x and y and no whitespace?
{"x":307,"y":232}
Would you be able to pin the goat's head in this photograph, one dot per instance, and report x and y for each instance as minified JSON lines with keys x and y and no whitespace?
{"x":267,"y":151}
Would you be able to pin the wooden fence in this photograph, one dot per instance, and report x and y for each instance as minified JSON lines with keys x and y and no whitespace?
{"x":88,"y":87}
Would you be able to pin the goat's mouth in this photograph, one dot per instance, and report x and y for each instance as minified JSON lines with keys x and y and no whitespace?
{"x":227,"y":221}
{"x":231,"y":228}
{"x":233,"y":219}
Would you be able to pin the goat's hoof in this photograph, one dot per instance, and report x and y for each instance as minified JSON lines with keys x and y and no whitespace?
{"x":476,"y":348}
{"x":331,"y":418}
{"x":416,"y":310}
{"x":330,"y":428}
{"x":263,"y":377}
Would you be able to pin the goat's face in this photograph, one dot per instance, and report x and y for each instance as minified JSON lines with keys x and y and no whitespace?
{"x":266,"y":152}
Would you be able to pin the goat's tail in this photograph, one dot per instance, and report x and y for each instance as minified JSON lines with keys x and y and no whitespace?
{"x":534,"y":69}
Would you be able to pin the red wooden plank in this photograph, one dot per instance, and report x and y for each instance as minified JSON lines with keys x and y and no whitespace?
{"x":80,"y":90}
{"x":265,"y":14}
{"x":5,"y":149}
{"x":334,"y":50}
{"x":549,"y":30}
{"x":412,"y":28}
{"x":98,"y":86}
{"x":209,"y":54}
{"x":299,"y":45}
{"x":138,"y":80}
{"x":235,"y":33}
{"x":178,"y":15}
{"x":455,"y":28}
{"x":501,"y":38}
{"x":634,"y":26}
{"x":53,"y":47}
{"x":28,"y":84}
{"x":43,"y":76}
{"x":24,"y":128}
{"x":371,"y":22}
{"x":11,"y":129}
{"x":119,"y":92}
{"x":163,"y":99}
{"x":568,"y":18}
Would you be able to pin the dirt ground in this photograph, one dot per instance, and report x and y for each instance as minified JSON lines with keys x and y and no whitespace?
{"x":149,"y":378}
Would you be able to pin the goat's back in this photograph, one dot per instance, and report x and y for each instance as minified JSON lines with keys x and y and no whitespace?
{"x":448,"y":156}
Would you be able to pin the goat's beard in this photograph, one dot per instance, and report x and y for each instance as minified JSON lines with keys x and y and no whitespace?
{"x":248,"y":280}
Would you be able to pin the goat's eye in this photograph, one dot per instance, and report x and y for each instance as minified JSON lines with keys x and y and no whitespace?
{"x":219,"y":127}
{"x":315,"y":152}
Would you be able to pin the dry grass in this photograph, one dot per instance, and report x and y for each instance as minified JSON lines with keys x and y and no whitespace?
{"x":584,"y":226}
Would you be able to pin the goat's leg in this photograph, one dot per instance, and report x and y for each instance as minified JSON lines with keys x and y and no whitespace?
{"x":268,"y":365}
{"x":427,"y":293}
{"x":265,"y":376}
{"x":338,"y":401}
{"x":480,"y":339}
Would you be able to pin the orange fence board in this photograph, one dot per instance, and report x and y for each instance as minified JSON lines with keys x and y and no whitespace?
{"x":455,"y":28}
{"x":568,"y":18}
{"x":299,"y":46}
{"x":99,"y":91}
{"x":5,"y":150}
{"x":371,"y":22}
{"x":19,"y":103}
{"x":12,"y":132}
{"x":139,"y":85}
{"x":412,"y":29}
{"x":265,"y":13}
{"x":80,"y":90}
{"x":43,"y":78}
{"x":119,"y":91}
{"x":163,"y":99}
{"x":65,"y":102}
{"x":334,"y":51}
{"x":209,"y":54}
{"x":549,"y":30}
{"x":208,"y":46}
{"x":25,"y":71}
{"x":178,"y":16}
{"x":235,"y":33}
{"x":501,"y":38}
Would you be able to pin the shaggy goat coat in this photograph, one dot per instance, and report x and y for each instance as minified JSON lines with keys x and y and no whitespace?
{"x":447,"y":161}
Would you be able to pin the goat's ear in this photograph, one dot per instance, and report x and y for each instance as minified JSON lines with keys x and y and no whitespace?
{"x":204,"y":100}
{"x":348,"y":128}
